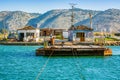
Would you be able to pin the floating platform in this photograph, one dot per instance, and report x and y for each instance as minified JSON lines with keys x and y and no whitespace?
{"x":74,"y":51}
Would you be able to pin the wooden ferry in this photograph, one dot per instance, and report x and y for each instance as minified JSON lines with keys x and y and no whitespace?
{"x":70,"y":49}
{"x":74,"y":51}
{"x":82,"y":33}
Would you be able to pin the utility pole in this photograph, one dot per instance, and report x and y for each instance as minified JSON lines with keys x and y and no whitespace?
{"x":72,"y":21}
{"x":72,"y":15}
{"x":90,"y":15}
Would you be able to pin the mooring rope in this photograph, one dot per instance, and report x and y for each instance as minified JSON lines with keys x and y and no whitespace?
{"x":75,"y":54}
{"x":42,"y":69}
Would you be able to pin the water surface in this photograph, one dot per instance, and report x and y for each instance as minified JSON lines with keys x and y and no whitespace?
{"x":20,"y":63}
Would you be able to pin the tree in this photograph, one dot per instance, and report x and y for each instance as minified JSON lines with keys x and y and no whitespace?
{"x":3,"y":31}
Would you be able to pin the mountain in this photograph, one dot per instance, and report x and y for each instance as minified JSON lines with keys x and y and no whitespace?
{"x":13,"y":20}
{"x":60,"y":18}
{"x":108,"y":21}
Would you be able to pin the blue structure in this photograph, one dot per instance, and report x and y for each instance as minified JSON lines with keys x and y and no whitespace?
{"x":80,"y":33}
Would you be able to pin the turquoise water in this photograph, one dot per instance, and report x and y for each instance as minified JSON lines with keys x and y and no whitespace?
{"x":20,"y":63}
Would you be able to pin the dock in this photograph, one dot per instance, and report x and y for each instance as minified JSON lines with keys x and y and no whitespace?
{"x":74,"y":50}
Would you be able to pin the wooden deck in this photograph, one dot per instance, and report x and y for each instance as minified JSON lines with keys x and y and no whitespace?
{"x":74,"y":51}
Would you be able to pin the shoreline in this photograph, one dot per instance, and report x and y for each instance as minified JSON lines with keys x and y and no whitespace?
{"x":22,"y":43}
{"x":113,"y":43}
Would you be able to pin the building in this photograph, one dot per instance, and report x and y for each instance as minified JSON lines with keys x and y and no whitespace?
{"x":49,"y":31}
{"x":80,"y":33}
{"x":28,"y":33}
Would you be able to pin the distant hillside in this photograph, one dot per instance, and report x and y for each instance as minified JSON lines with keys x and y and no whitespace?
{"x":108,"y":20}
{"x":13,"y":20}
{"x":60,"y":18}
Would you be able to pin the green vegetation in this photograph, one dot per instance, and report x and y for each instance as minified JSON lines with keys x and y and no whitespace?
{"x":3,"y":34}
{"x":101,"y":40}
{"x":59,"y":37}
{"x":111,"y":39}
{"x":3,"y":37}
{"x":108,"y":37}
{"x":2,"y":31}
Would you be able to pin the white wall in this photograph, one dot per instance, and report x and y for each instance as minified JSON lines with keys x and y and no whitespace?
{"x":36,"y":34}
{"x":65,"y":34}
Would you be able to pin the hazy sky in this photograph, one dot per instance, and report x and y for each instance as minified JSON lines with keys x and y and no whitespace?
{"x":42,"y":6}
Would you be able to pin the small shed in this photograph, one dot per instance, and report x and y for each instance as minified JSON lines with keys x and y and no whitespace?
{"x":80,"y":33}
{"x":28,"y":33}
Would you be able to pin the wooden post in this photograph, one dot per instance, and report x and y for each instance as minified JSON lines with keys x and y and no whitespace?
{"x":53,"y":41}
